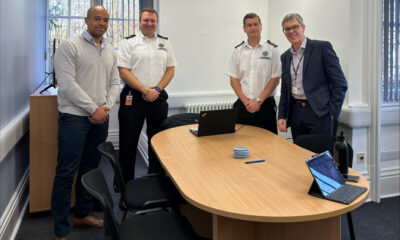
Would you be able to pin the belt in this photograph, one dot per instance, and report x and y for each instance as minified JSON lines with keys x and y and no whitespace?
{"x":269,"y":99}
{"x":301,"y":103}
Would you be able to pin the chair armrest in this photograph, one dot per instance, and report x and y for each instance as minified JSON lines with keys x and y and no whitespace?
{"x":157,"y":203}
{"x":150,"y":175}
{"x":152,"y":210}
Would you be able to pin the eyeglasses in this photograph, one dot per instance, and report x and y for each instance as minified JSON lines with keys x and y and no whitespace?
{"x":295,"y":28}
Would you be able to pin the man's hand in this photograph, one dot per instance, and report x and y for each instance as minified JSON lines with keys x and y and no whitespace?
{"x":246,"y":102}
{"x":282,"y":125}
{"x":252,"y":106}
{"x":99,"y":116}
{"x":151,"y":95}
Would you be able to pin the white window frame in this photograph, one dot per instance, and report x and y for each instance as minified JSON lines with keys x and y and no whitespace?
{"x":49,"y":50}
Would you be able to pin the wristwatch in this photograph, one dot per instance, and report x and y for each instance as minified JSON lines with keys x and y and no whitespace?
{"x":259,"y":101}
{"x":157,"y":89}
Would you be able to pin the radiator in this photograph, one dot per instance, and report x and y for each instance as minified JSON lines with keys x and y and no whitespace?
{"x":198,"y":107}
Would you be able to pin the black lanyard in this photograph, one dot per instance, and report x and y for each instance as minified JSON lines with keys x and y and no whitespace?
{"x":297,"y":68}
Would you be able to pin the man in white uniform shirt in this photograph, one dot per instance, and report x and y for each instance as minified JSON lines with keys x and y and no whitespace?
{"x":254,"y":71}
{"x":146,"y":64}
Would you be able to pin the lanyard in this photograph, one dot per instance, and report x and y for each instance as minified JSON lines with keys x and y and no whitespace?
{"x":297,"y":68}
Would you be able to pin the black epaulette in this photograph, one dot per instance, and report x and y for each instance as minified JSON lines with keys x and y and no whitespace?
{"x":240,"y":44}
{"x":158,"y":35}
{"x":273,"y":44}
{"x":131,"y":36}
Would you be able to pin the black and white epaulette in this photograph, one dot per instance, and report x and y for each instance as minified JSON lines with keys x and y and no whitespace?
{"x":131,"y":36}
{"x":158,"y":35}
{"x":273,"y":44}
{"x":240,"y":44}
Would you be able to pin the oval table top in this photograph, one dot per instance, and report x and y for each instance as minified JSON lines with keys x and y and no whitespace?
{"x":210,"y":178}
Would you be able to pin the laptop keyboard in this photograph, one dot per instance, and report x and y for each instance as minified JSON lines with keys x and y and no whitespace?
{"x":346,"y":194}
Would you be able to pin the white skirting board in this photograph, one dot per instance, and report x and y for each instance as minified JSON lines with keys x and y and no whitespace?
{"x":14,"y":212}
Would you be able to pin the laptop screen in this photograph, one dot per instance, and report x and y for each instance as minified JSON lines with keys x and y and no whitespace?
{"x":325,"y":173}
{"x":217,"y":122}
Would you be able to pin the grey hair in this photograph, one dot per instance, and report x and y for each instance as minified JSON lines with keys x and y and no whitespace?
{"x":291,"y":16}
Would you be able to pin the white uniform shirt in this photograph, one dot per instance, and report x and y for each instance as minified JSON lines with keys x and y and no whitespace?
{"x":254,"y":67}
{"x":147,"y":58}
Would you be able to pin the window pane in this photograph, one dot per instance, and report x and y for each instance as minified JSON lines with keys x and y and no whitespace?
{"x":390,"y":51}
{"x":57,"y":28}
{"x":77,"y":26}
{"x":114,"y":33}
{"x":58,"y":8}
{"x":137,"y":15}
{"x":79,"y":7}
{"x":123,"y":14}
{"x":114,"y":8}
{"x":66,"y":19}
{"x":128,"y":10}
{"x":129,"y":28}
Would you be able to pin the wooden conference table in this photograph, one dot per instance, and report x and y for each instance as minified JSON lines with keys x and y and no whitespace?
{"x":266,"y":200}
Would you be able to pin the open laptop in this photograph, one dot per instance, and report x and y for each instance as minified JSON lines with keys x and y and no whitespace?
{"x":329,"y":182}
{"x":216,"y":122}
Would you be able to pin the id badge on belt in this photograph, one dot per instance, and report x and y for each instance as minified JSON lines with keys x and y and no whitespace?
{"x":128,"y":99}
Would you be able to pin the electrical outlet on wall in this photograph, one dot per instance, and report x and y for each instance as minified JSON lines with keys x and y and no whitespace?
{"x":360,"y":157}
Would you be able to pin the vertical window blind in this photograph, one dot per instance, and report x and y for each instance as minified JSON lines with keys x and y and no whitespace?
{"x":390,"y":51}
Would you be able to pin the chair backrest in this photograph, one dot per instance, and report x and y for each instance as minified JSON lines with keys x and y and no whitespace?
{"x":107,"y":149}
{"x":316,"y":143}
{"x":96,"y":185}
{"x":321,"y":143}
{"x":180,"y":119}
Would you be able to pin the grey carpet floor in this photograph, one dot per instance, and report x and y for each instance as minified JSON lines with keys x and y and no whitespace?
{"x":371,"y":220}
{"x":39,"y":226}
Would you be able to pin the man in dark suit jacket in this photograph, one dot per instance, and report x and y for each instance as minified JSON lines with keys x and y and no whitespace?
{"x":313,"y":84}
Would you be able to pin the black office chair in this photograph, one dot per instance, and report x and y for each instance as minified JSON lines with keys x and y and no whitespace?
{"x":148,"y":191}
{"x":180,"y":119}
{"x":321,"y":143}
{"x":156,"y":225}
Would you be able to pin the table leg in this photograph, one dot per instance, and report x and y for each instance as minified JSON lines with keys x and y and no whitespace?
{"x":200,"y":220}
{"x":232,"y":229}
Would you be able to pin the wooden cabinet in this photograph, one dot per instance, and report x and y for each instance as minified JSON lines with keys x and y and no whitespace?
{"x":43,"y":148}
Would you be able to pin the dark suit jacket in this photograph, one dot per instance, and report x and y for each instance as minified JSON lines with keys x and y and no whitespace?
{"x":323,"y":80}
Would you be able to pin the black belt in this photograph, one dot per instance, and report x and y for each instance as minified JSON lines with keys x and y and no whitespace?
{"x":301,"y":103}
{"x":137,"y":95}
{"x":269,"y":99}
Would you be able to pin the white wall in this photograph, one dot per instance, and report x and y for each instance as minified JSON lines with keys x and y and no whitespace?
{"x":203,"y":35}
{"x":349,"y":26}
{"x":322,"y":24}
{"x":203,"y":38}
{"x":22,"y":66}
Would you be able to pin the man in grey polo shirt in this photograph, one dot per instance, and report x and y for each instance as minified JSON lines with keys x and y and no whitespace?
{"x":87,"y":74}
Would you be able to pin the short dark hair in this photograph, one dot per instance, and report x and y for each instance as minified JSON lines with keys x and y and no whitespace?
{"x":150,"y":10}
{"x":251,"y":15}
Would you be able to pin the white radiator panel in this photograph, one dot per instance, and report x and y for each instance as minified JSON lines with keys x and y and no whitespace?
{"x":198,"y":107}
